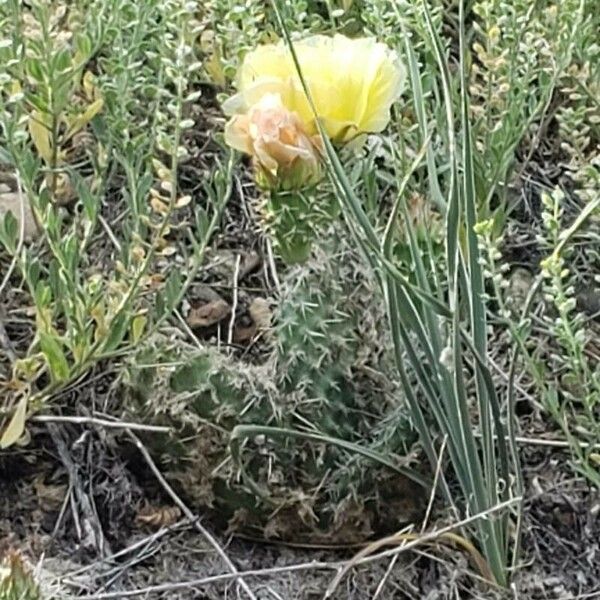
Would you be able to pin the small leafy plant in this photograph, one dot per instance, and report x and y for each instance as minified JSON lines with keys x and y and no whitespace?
{"x":71,"y":134}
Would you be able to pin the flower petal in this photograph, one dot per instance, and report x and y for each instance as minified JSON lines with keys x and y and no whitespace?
{"x":237,"y":134}
{"x":353,"y":82}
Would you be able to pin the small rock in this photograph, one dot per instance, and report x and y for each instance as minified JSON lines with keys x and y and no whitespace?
{"x":257,"y":319}
{"x":261,"y":314}
{"x":588,"y":301}
{"x":250,"y":262}
{"x":520,"y":283}
{"x":244,"y":331}
{"x":201,"y":293}
{"x":223,"y":264}
{"x":209,"y":314}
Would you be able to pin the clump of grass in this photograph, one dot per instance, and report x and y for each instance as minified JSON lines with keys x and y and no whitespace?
{"x":439,"y":326}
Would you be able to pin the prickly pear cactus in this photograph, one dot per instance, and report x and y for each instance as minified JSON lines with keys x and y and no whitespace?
{"x":326,"y":339}
{"x":16,"y":579}
{"x":327,"y":373}
{"x":293,"y":219}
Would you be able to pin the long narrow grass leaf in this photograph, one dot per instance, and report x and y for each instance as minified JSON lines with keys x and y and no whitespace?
{"x":242,"y":432}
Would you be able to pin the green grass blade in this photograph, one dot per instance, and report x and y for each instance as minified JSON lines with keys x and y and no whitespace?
{"x":243,"y":432}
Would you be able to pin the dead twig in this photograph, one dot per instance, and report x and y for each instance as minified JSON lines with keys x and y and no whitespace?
{"x":91,"y":530}
{"x":273,"y":267}
{"x":100,"y":423}
{"x":188,"y":330}
{"x":402,"y":545}
{"x":307,"y":566}
{"x":190,"y":515}
{"x":144,"y":544}
{"x":385,"y":577}
{"x":234,"y":302}
{"x":180,"y":585}
{"x":438,"y":473}
{"x":549,"y":443}
{"x":62,"y":512}
{"x":109,"y":233}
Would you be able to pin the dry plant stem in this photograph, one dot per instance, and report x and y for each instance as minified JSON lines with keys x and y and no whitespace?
{"x":308,"y":566}
{"x":109,"y":233}
{"x":190,"y":515}
{"x":385,"y":577}
{"x":146,"y":541}
{"x":100,"y":423}
{"x":444,"y":534}
{"x":111,"y":576}
{"x":74,"y":512}
{"x":187,"y":329}
{"x":234,"y":303}
{"x":92,"y":529}
{"x":273,"y":267}
{"x":224,"y":577}
{"x":63,"y":510}
{"x":565,"y":445}
{"x":274,"y":594}
{"x":436,"y":479}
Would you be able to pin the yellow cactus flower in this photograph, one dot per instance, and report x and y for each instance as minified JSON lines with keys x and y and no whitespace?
{"x":284,"y":155}
{"x":353,"y":83}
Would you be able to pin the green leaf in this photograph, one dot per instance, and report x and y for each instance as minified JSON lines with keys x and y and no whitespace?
{"x":34,"y":69}
{"x":172,"y":289}
{"x":40,"y":135}
{"x":9,"y":232}
{"x":57,"y":361}
{"x":118,"y":329}
{"x":138,"y":324}
{"x":42,"y":294}
{"x":33,"y":272}
{"x":202,"y":222}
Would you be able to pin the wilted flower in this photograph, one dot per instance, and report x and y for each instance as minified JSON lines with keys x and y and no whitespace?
{"x":353,"y":83}
{"x":284,"y":154}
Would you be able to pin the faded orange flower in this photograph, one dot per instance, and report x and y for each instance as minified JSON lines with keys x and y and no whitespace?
{"x":284,"y":155}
